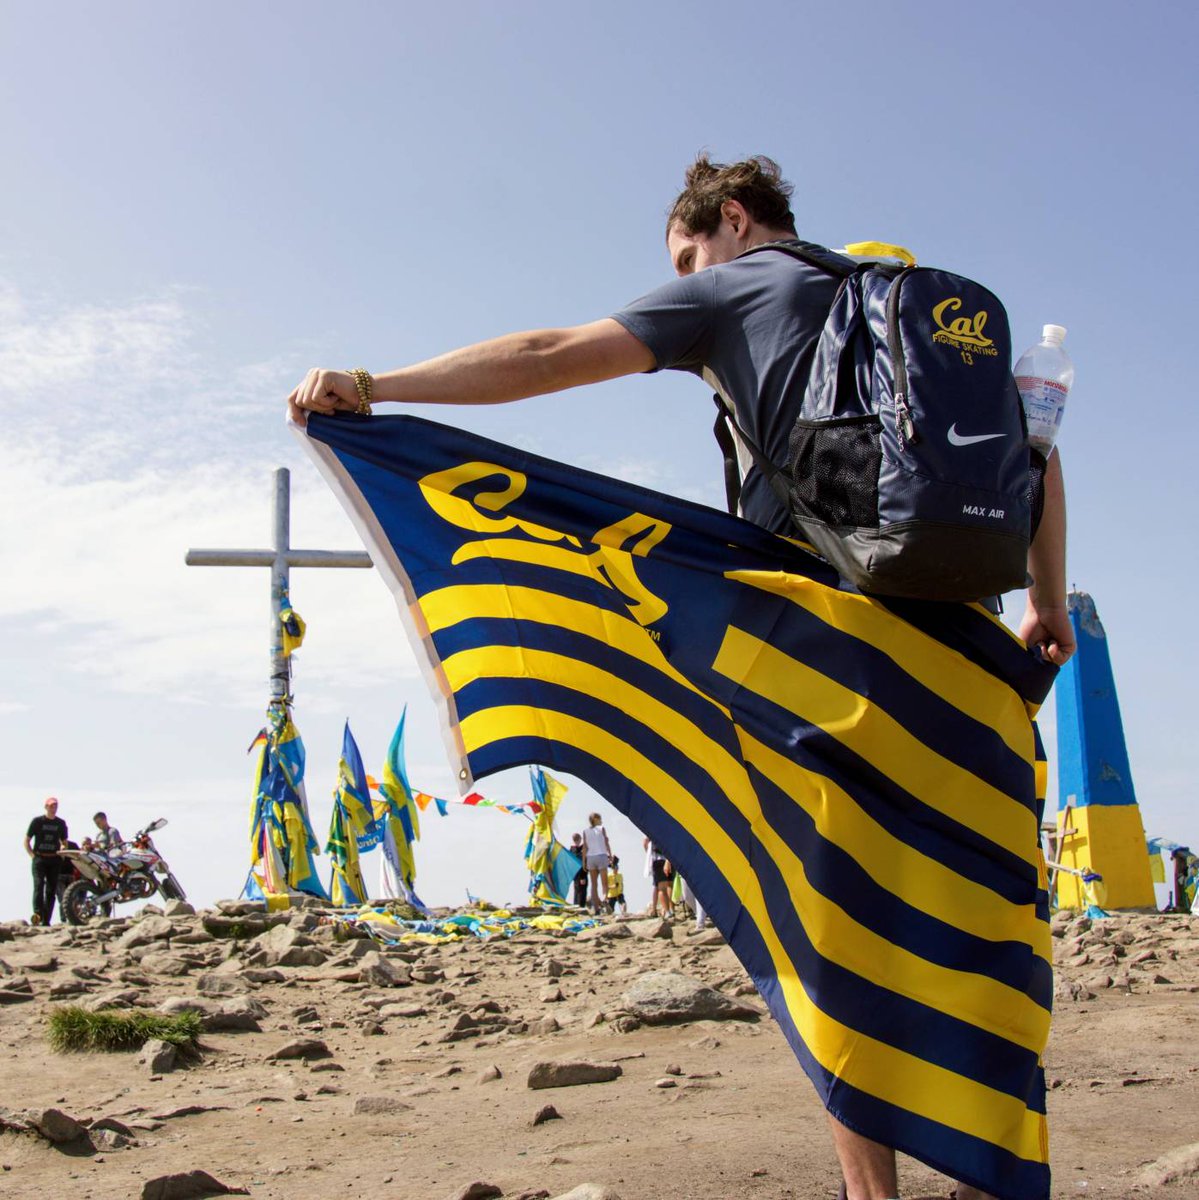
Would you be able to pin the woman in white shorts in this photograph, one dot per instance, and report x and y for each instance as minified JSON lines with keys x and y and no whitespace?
{"x":597,"y":855}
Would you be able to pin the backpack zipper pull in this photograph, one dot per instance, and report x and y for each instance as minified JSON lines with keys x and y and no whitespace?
{"x":905,"y":427}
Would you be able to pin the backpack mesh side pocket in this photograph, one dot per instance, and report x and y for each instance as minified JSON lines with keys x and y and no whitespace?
{"x":833,"y":467}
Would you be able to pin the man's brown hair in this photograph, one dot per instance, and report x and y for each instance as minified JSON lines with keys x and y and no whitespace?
{"x":757,"y":183}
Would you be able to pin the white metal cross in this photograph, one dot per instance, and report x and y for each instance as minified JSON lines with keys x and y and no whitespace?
{"x":280,"y":558}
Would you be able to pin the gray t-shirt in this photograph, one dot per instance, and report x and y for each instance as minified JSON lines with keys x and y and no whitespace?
{"x":749,"y":329}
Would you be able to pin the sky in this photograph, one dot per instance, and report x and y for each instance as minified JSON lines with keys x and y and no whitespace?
{"x":201,"y":202}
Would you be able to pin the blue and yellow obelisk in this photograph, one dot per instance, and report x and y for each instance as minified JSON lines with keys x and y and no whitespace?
{"x":1096,"y":798}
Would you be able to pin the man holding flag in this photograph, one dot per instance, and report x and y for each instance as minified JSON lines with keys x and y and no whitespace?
{"x":749,"y":327}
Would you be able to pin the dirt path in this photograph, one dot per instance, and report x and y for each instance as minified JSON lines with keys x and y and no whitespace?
{"x":707,"y":1110}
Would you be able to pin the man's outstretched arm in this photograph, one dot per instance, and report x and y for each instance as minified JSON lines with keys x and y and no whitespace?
{"x":506,"y":368}
{"x":1046,"y":622}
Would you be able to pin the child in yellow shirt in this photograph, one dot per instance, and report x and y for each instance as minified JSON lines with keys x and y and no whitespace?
{"x":616,"y":887}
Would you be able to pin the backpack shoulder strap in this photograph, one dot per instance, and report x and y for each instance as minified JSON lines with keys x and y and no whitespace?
{"x":732,"y":477}
{"x":816,"y":256}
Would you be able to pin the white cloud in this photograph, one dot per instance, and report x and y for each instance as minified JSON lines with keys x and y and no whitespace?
{"x":103,"y":488}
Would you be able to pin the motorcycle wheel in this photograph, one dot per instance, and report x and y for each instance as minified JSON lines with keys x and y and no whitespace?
{"x":79,"y":902}
{"x":170,"y":889}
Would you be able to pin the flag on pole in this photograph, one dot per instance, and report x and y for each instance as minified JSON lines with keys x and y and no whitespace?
{"x":292,"y":625}
{"x":552,"y":867}
{"x":352,"y":826}
{"x":849,"y":784}
{"x":282,"y":843}
{"x":397,"y":815}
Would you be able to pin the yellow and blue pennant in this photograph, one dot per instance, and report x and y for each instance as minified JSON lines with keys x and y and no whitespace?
{"x":353,"y":828}
{"x":282,"y":843}
{"x":850,"y":785}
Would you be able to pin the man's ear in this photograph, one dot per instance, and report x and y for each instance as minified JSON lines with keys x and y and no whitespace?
{"x":733,"y":211}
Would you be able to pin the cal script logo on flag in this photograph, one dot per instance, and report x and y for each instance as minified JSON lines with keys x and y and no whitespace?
{"x":850,"y":786}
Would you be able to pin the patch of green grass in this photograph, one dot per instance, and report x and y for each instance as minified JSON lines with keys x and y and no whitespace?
{"x":74,"y":1028}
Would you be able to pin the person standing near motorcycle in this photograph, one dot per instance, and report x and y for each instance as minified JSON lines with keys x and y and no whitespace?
{"x":109,"y":838}
{"x":44,"y":838}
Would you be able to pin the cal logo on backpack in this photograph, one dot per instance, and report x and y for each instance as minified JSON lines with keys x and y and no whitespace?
{"x":908,"y":466}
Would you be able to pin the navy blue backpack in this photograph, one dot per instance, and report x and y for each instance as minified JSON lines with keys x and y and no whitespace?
{"x":908,"y":466}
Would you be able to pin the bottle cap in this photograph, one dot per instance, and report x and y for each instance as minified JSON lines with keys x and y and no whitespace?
{"x":1053,"y":333}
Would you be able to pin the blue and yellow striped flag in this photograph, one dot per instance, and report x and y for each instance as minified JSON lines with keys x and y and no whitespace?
{"x":552,"y":867}
{"x":282,"y":843}
{"x":398,"y":816}
{"x":849,"y":785}
{"x":352,"y":825}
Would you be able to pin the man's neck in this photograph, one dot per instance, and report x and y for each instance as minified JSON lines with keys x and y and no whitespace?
{"x":760,"y":236}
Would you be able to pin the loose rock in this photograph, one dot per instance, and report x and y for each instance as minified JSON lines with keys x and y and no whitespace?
{"x":305,"y":1048}
{"x":571,"y":1074}
{"x":158,"y":1057}
{"x":191,"y":1185}
{"x":477,"y":1191}
{"x":374,"y":968}
{"x":667,"y":997}
{"x":55,"y":1126}
{"x":1182,"y":1163}
{"x":379,"y":1106}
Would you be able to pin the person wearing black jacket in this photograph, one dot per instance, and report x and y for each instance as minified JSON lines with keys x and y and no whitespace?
{"x":44,"y":838}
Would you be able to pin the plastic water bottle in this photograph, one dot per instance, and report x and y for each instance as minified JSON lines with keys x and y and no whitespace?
{"x":1044,"y":376}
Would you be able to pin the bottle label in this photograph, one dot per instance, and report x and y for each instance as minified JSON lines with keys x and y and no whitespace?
{"x":1044,"y":402}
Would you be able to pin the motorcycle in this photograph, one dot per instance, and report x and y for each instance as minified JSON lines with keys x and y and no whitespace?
{"x":134,"y":872}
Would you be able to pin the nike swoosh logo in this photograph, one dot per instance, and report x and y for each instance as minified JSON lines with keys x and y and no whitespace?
{"x":958,"y":439}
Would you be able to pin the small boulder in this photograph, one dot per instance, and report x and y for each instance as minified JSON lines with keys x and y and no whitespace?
{"x":655,"y":927}
{"x":158,"y":1057}
{"x":112,"y":1125}
{"x":376,"y":969}
{"x":604,"y":933}
{"x":190,"y":1185}
{"x":284,"y":946}
{"x":477,"y":1191}
{"x":217,"y":985}
{"x":1180,"y":1163}
{"x":667,"y":997}
{"x":379,"y":1106}
{"x":179,"y":908}
{"x":305,"y":1048}
{"x":547,"y":1112}
{"x":235,"y":1016}
{"x":261,"y":975}
{"x":145,"y":932}
{"x":55,"y":1126}
{"x":571,"y":1074}
{"x":170,"y":965}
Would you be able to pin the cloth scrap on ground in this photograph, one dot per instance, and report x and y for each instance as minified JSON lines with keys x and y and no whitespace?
{"x":384,"y":925}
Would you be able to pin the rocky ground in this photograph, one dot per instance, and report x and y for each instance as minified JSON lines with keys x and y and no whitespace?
{"x":532,"y":1066}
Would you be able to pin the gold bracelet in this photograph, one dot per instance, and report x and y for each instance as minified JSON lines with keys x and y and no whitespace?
{"x":362,"y":381}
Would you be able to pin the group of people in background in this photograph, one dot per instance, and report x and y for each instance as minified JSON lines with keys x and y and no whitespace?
{"x":599,"y":884}
{"x":670,"y":889}
{"x":46,"y":836}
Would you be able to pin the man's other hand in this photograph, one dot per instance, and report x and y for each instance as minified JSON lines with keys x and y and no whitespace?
{"x":1048,"y":628}
{"x":324,"y":392}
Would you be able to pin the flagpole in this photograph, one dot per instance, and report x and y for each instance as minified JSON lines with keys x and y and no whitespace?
{"x":280,"y":579}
